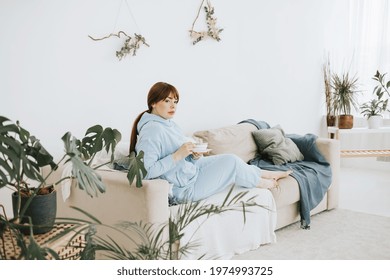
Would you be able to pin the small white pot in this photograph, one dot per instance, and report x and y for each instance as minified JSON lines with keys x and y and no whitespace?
{"x":374,"y":122}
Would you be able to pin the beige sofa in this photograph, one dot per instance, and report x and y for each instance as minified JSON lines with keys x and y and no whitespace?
{"x":217,"y":235}
{"x":237,"y":139}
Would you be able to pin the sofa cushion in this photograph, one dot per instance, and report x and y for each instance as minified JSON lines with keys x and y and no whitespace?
{"x":273,"y":145}
{"x":121,"y":157}
{"x":234,"y":139}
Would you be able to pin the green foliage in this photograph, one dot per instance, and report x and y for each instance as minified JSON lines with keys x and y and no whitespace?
{"x":142,"y":241}
{"x":86,"y":178}
{"x":383,"y":87}
{"x":21,"y":155}
{"x":136,"y":168}
{"x":151,"y":241}
{"x":96,"y":139}
{"x":377,"y":105}
{"x":374,"y":107}
{"x":345,"y":89}
{"x":29,"y":248}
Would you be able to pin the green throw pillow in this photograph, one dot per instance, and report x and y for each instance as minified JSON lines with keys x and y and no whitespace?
{"x":273,"y":145}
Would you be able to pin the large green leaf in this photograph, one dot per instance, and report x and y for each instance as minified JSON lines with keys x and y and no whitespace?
{"x":136,"y":168}
{"x":111,"y":138}
{"x":5,"y":129}
{"x":92,"y":142}
{"x":39,"y":153}
{"x":96,"y":139}
{"x":10,"y":165}
{"x":21,"y":153}
{"x":86,"y":177}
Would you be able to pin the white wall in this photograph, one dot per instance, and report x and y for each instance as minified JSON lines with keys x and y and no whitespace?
{"x":267,"y":66}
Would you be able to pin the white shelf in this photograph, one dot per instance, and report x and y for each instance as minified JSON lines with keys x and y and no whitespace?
{"x":362,"y":141}
{"x":384,"y":129}
{"x":333,"y":129}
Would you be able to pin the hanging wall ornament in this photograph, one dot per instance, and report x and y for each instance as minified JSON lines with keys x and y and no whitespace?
{"x":212,"y":30}
{"x":130,"y":44}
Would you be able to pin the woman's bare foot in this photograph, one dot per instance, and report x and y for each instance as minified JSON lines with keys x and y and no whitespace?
{"x":267,"y":183}
{"x":276,"y":175}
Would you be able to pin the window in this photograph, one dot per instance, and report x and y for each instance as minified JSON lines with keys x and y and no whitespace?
{"x":369,"y":41}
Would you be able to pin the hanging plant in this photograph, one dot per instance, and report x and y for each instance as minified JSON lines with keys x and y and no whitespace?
{"x":130,"y":46}
{"x":212,"y":30}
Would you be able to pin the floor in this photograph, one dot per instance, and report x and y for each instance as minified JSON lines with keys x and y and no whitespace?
{"x":365,"y":186}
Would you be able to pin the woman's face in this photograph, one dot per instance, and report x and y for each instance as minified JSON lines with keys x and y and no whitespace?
{"x":165,"y":108}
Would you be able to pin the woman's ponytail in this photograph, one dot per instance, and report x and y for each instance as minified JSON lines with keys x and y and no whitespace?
{"x":134,"y":132}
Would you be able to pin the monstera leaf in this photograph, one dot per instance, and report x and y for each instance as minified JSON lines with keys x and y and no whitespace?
{"x":87,"y":178}
{"x":136,"y":168}
{"x":96,"y":139}
{"x":21,"y":154}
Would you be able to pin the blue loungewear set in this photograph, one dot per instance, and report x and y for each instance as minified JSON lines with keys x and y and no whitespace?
{"x":192,"y":179}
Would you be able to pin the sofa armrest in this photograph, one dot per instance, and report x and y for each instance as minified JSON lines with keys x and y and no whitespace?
{"x":330,"y":149}
{"x":120,"y":202}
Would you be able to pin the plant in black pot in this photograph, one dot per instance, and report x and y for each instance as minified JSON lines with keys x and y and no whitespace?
{"x":22,"y":156}
{"x":345,"y":90}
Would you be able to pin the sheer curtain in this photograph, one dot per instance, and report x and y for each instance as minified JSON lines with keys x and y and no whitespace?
{"x":369,"y":41}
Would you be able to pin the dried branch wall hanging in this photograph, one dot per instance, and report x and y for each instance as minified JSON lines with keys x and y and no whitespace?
{"x":212,"y":31}
{"x":130,"y":44}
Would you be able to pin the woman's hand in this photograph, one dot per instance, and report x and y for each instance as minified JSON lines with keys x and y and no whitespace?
{"x":196,"y":155}
{"x":183,"y":151}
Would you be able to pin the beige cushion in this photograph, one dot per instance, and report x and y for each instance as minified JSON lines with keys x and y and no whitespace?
{"x":235,"y":139}
{"x":274,"y":146}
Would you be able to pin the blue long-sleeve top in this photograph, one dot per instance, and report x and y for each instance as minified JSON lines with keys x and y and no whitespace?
{"x":159,"y":138}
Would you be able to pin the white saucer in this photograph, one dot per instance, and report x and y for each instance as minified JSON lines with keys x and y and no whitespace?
{"x":201,"y":150}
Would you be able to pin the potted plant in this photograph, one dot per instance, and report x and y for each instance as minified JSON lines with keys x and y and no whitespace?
{"x":374,"y":108}
{"x":330,"y":114}
{"x":345,"y":91}
{"x":372,"y":111}
{"x":22,"y":156}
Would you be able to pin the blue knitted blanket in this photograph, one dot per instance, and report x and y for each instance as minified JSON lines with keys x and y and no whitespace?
{"x":313,"y":174}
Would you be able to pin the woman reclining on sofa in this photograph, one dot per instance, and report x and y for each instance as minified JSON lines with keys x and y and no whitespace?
{"x":169,"y":155}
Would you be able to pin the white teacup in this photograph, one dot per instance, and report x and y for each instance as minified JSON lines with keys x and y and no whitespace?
{"x":200,"y":147}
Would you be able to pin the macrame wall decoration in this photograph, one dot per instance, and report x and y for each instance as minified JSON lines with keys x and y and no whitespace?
{"x":212,"y":30}
{"x":130,"y":44}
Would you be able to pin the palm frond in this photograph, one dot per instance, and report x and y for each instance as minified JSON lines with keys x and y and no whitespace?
{"x":154,"y":241}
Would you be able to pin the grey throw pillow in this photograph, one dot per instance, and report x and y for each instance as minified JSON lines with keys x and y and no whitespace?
{"x":273,"y":145}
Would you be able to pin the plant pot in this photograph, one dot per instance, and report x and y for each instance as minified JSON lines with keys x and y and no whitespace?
{"x":42,"y":210}
{"x":374,"y":122}
{"x":330,"y":120}
{"x":345,"y":121}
